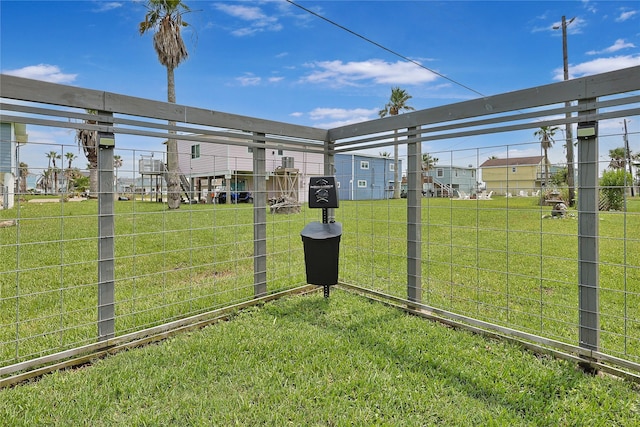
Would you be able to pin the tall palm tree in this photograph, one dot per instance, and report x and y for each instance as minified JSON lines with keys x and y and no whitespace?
{"x":52,"y":156}
{"x":396,"y":104}
{"x":545,"y":135}
{"x":56,"y":170}
{"x":88,"y":140}
{"x":70,"y":157}
{"x":165,"y":18}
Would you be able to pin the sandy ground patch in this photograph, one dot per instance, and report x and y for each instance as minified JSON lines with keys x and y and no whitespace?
{"x":71,"y":199}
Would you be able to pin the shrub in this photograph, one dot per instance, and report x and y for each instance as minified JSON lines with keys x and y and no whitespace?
{"x":613,"y":184}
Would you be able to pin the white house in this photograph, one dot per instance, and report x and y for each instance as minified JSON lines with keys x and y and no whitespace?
{"x":216,"y":167}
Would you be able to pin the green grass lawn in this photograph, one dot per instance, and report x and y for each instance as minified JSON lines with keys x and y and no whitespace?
{"x":496,"y":260}
{"x":315,"y":362}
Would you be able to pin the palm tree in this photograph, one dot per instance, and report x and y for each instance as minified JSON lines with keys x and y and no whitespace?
{"x":68,"y":172}
{"x":52,"y":156}
{"x":70,"y":158}
{"x":23,"y":173}
{"x":397,"y":103}
{"x":428,"y":162}
{"x":88,"y":140}
{"x":117,"y":163}
{"x":44,"y":180}
{"x":165,"y":18}
{"x":618,"y":158}
{"x":545,"y":135}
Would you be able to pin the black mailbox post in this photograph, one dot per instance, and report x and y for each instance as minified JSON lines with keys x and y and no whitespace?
{"x":321,"y":240}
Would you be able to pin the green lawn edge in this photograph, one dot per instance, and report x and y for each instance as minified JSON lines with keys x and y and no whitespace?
{"x":312,"y":361}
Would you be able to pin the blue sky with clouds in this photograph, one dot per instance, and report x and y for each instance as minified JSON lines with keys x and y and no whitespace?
{"x":273,"y":60}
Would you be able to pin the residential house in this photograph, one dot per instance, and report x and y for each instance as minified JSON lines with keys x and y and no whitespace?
{"x":211,"y":168}
{"x":444,"y":181}
{"x":364,"y":177}
{"x":12,"y":135}
{"x":515,"y":175}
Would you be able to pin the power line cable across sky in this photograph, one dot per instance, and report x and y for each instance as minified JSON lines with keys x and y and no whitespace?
{"x":383,"y":47}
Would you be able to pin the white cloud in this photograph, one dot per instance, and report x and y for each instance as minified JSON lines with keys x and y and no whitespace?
{"x":590,"y":7}
{"x":340,"y":116}
{"x":626,"y":15}
{"x":618,"y":45}
{"x":338,"y":73}
{"x":45,"y":72}
{"x":600,"y":65}
{"x":249,"y":80}
{"x":341,"y":113}
{"x":107,"y":6}
{"x":258,"y":20}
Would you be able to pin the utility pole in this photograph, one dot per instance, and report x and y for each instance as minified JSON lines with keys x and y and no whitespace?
{"x":625,"y":137}
{"x":568,"y":130}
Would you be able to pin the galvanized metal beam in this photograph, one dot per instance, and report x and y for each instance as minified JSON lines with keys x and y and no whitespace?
{"x":259,"y":219}
{"x":414,"y":219}
{"x":106,"y":235}
{"x":588,"y":216}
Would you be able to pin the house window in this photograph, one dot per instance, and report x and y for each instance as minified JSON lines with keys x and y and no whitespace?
{"x":392,"y":167}
{"x":473,"y":174}
{"x":440,"y":172}
{"x":364,"y":165}
{"x":195,"y":151}
{"x":362,"y":183}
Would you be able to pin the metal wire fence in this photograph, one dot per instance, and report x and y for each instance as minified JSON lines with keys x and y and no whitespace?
{"x":80,"y":267}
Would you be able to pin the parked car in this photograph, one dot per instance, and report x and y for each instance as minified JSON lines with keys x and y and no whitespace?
{"x":236,"y":197}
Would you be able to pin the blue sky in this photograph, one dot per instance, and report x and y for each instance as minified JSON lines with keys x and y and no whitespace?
{"x":272,"y":60}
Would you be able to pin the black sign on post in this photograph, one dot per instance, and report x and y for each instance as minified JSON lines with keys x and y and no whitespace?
{"x":322,"y":240}
{"x":323,"y":192}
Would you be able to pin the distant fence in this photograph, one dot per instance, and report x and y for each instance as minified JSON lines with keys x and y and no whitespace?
{"x":81,"y":275}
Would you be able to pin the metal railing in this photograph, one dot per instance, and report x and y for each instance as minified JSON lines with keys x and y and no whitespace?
{"x":78,"y":276}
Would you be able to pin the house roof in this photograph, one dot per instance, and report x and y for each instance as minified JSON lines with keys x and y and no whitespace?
{"x":513,"y":161}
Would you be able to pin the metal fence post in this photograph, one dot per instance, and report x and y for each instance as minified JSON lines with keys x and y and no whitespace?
{"x":259,"y":219}
{"x":329,"y":170}
{"x":414,"y":217}
{"x":588,"y":259}
{"x":106,"y":234}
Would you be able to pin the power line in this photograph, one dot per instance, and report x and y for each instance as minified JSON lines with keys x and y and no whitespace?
{"x":383,"y":47}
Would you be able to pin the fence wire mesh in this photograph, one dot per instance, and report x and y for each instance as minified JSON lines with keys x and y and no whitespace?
{"x":489,"y":244}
